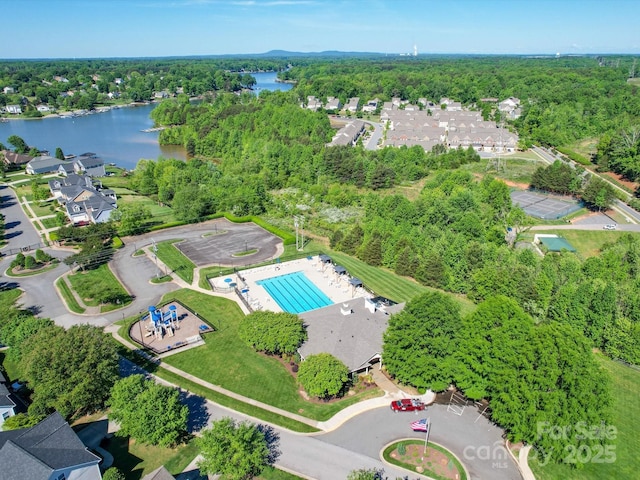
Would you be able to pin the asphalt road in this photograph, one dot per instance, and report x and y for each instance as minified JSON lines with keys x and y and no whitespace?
{"x":19,"y":232}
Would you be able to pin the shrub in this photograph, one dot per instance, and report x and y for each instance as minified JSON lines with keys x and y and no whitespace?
{"x":29,"y":262}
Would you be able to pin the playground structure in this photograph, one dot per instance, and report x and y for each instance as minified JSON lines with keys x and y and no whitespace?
{"x":168,"y":329}
{"x":162,"y":323}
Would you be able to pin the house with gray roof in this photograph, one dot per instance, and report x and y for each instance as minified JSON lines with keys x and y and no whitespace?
{"x":352,"y":332}
{"x":49,"y":450}
{"x":353,"y":104}
{"x":89,"y":164}
{"x":83,"y":202}
{"x":333,"y":103}
{"x":44,"y":164}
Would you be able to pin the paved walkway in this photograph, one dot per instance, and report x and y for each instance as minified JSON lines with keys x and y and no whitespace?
{"x":331,"y":424}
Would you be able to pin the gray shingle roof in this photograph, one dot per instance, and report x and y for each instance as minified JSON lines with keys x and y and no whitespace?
{"x":160,"y":473}
{"x":35,"y":452}
{"x":354,"y":339}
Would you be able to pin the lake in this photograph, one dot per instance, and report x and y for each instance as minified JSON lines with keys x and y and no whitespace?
{"x":115,"y":136}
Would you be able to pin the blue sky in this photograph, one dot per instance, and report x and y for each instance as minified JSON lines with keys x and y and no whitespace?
{"x":133,"y":28}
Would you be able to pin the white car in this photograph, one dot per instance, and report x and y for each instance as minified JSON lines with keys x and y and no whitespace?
{"x":610,"y":226}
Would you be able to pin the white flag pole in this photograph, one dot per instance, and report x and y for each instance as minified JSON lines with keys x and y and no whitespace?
{"x":426,"y":435}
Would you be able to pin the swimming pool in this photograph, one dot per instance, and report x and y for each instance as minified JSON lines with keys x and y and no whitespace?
{"x":295,"y":293}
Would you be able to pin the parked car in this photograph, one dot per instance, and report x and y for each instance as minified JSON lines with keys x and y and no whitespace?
{"x":407,"y":405}
{"x":610,"y":226}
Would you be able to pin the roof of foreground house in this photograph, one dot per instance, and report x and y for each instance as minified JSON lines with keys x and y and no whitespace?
{"x":36,"y":452}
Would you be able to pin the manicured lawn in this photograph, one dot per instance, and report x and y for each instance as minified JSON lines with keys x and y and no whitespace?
{"x":69,"y":298}
{"x":49,"y":222}
{"x":136,"y":460}
{"x":626,"y":418}
{"x":175,"y":260}
{"x":586,"y":242}
{"x":9,"y":297}
{"x":90,"y":285}
{"x":388,"y":284}
{"x":226,"y":361}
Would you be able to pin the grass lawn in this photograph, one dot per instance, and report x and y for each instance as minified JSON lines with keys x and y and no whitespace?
{"x":518,"y":167}
{"x":226,"y":361}
{"x":586,"y":242}
{"x":175,"y":260}
{"x":91,"y":285}
{"x":136,"y":460}
{"x":49,"y":222}
{"x":42,"y":209}
{"x":8,"y":297}
{"x":68,"y":296}
{"x":626,"y":418}
{"x":388,"y":284}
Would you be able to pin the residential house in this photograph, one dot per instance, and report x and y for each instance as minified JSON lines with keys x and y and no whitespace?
{"x":510,"y":108}
{"x":7,"y":405}
{"x":371,"y":106}
{"x":349,"y":134}
{"x":333,"y":103}
{"x":83,"y":202}
{"x":49,"y":450}
{"x":313,"y":103}
{"x":89,"y":164}
{"x":353,"y":104}
{"x":8,"y":90}
{"x":161,"y":95}
{"x":14,"y":109}
{"x":42,"y":108}
{"x":16,"y":159}
{"x":44,"y":164}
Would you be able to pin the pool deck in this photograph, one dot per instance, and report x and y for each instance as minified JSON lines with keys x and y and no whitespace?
{"x":334,"y":286}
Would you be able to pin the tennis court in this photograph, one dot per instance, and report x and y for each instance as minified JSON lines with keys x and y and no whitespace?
{"x":544,"y":206}
{"x":295,"y":293}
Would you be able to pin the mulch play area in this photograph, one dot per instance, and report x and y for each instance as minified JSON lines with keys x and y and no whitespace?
{"x":169,"y":328}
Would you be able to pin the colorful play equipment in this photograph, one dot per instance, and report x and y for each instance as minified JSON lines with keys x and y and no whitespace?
{"x":162,"y":323}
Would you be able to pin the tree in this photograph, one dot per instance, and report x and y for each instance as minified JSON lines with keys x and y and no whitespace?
{"x":323,"y":375}
{"x":59,"y":153}
{"x":273,"y":333}
{"x":238,"y":451}
{"x":113,"y":474}
{"x":131,"y":218}
{"x":21,"y":420}
{"x":365,"y":474}
{"x":598,"y":193}
{"x":19,"y":145}
{"x":420,"y":342}
{"x":147,"y":411}
{"x":71,"y":371}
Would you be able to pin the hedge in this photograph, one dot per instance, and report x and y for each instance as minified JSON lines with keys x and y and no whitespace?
{"x":574,"y":156}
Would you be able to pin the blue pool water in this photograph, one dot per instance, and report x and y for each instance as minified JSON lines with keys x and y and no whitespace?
{"x":295,"y":293}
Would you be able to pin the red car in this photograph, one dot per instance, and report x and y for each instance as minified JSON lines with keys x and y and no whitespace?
{"x":407,"y":405}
